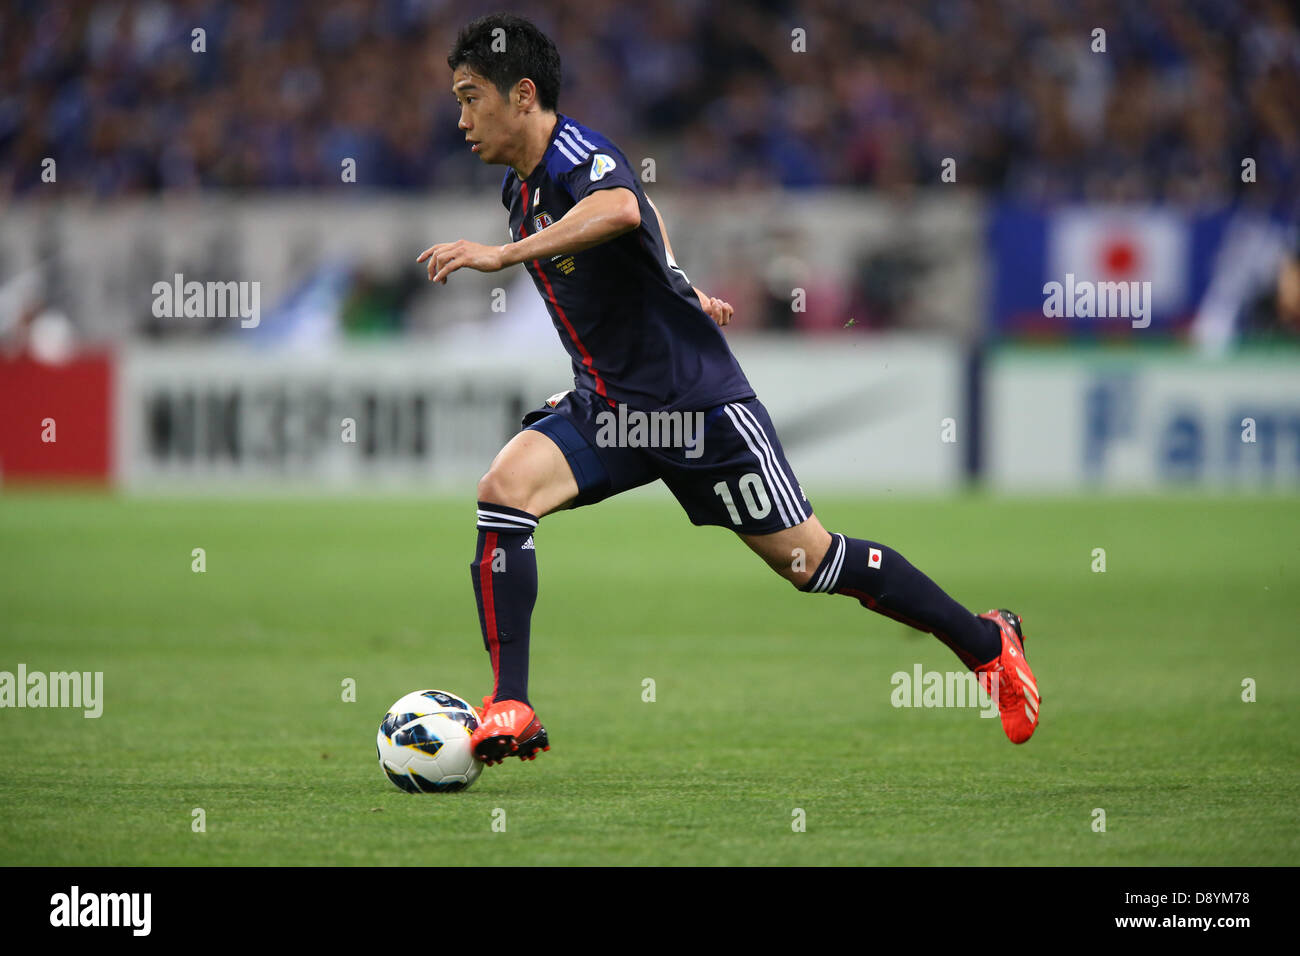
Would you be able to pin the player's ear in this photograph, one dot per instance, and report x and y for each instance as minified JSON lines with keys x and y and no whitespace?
{"x":525,"y":92}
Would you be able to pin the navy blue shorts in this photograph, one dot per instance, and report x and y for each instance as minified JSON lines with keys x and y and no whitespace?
{"x":724,"y":465}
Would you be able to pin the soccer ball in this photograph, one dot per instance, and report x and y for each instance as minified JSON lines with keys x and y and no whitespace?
{"x":423,"y":744}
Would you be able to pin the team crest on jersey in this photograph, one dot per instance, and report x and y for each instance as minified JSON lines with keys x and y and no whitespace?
{"x":541,"y":221}
{"x":600,"y":165}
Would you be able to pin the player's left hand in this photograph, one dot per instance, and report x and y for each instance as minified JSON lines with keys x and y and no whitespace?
{"x":717,"y":309}
{"x":446,"y":257}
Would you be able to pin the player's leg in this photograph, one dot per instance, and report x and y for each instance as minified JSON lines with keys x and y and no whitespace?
{"x":528,"y":478}
{"x":744,"y":482}
{"x":552,"y":464}
{"x":881,"y":579}
{"x":794,"y":553}
{"x":529,"y":474}
{"x":794,"y":544}
{"x":990,"y":644}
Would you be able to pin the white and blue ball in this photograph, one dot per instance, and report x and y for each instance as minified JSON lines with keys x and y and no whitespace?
{"x":424,"y":743}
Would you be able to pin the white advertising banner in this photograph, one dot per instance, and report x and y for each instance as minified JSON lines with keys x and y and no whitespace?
{"x":1078,"y":421}
{"x":858,"y":417}
{"x":879,"y":414}
{"x":230,"y":420}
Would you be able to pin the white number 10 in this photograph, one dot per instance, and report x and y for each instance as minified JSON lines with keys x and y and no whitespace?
{"x":757,"y":502}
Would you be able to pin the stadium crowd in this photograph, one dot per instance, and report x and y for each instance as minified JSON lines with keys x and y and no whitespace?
{"x":716,"y":90}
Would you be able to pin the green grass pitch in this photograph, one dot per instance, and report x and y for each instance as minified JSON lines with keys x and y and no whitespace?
{"x":223,"y":689}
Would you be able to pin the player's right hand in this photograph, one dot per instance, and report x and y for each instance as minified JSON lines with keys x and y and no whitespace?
{"x":446,"y":257}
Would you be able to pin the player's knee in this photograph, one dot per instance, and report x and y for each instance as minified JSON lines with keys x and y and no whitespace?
{"x":793,"y":571}
{"x":800,"y":566}
{"x":499,"y":489}
{"x":799,"y":578}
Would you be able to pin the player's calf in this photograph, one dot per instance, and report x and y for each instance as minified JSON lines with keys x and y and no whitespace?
{"x":882,"y":580}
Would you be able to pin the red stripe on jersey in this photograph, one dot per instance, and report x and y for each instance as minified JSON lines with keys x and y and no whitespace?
{"x":550,"y":294}
{"x":489,"y":608}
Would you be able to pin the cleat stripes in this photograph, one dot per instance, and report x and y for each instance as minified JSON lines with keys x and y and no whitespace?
{"x":508,"y":728}
{"x":1014,"y":679}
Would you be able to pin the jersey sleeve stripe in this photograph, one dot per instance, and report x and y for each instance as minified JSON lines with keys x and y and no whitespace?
{"x":576,"y":148}
{"x":578,"y":134}
{"x":567,"y":155}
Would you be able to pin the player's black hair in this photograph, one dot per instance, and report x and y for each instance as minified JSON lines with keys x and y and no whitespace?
{"x":519,"y":50}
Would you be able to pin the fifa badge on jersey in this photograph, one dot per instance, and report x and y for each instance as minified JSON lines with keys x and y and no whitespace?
{"x":541,"y":221}
{"x":600,"y":165}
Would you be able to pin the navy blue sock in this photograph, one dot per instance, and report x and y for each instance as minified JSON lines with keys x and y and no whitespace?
{"x":883,"y":581}
{"x":505,"y":585}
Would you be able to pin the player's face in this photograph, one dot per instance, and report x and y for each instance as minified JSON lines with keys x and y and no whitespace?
{"x":484,"y":115}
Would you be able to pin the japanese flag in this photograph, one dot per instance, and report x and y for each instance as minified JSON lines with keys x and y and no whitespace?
{"x":873,"y":557}
{"x":1123,"y":244}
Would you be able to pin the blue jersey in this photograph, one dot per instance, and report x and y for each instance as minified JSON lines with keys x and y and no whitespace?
{"x":625,"y":312}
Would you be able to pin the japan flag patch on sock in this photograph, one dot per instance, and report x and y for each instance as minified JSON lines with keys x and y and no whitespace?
{"x":873,"y":557}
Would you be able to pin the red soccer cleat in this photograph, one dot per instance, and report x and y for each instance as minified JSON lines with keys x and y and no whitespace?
{"x":508,"y":728}
{"x":1018,"y":697}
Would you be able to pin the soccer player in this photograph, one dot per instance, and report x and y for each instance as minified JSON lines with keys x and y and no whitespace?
{"x":641,"y":336}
